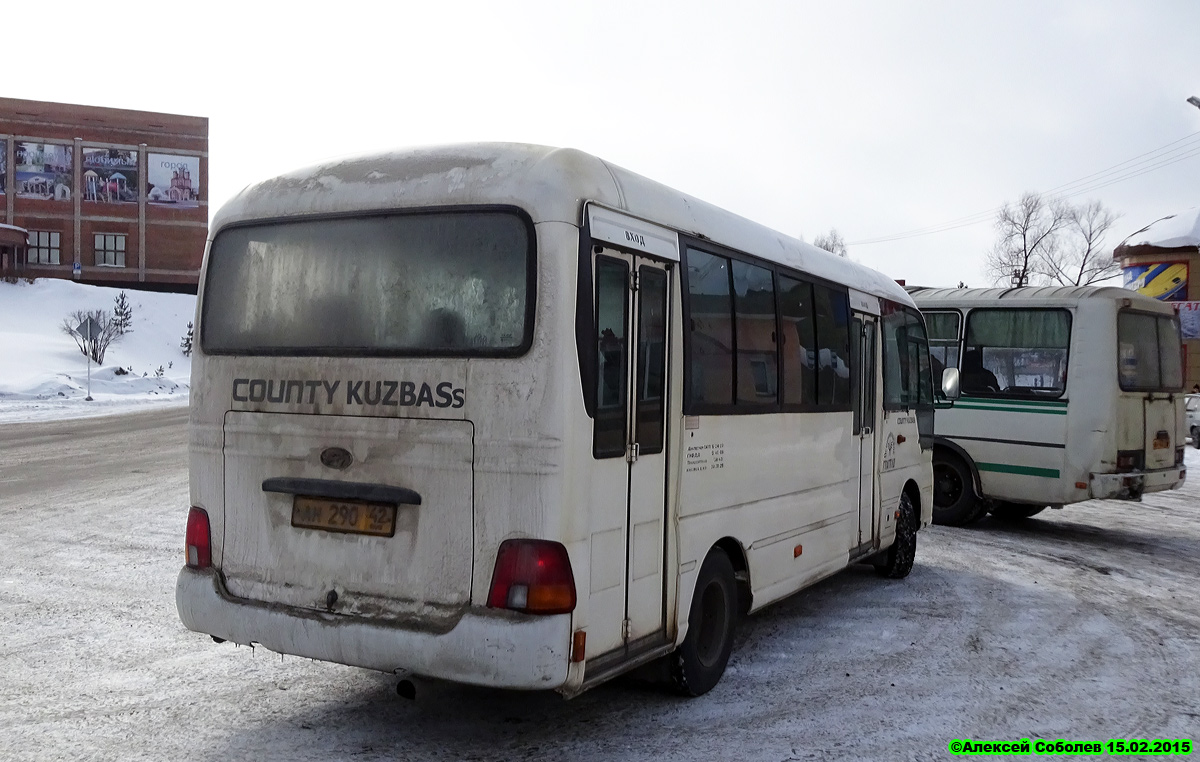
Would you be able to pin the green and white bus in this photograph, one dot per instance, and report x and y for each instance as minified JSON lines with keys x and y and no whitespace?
{"x":1068,"y":394}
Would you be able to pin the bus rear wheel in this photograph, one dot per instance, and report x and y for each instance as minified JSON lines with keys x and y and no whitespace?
{"x":700,"y":661}
{"x":954,"y":500}
{"x":1006,"y":511}
{"x":903,"y":553}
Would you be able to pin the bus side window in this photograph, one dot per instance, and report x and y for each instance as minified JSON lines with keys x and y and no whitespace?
{"x":833,"y":346}
{"x":943,"y":340}
{"x":754,"y":300}
{"x":895,"y":377}
{"x":710,"y":316}
{"x":799,"y":343}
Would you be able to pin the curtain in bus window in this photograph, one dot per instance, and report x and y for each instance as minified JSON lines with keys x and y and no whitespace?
{"x":798,"y":342}
{"x":710,"y":316}
{"x":943,"y":341}
{"x":832,"y":310}
{"x":754,"y":303}
{"x":1016,"y":352}
{"x":612,"y":280}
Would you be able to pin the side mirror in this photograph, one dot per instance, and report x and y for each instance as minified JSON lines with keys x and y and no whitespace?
{"x":950,"y":383}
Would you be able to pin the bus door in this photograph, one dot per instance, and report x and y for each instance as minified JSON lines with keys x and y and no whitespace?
{"x":863,"y":349}
{"x":629,"y":481}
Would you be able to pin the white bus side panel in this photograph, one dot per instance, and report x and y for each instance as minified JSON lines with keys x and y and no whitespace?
{"x":783,"y":486}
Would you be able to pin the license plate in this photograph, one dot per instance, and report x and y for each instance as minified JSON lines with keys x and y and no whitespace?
{"x":349,"y":516}
{"x":1162,"y":442}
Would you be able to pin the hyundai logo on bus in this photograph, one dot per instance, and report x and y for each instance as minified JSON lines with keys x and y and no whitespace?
{"x":388,"y":393}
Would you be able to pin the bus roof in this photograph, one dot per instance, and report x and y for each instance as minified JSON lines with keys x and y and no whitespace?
{"x":551,"y":184}
{"x":1042,"y":295}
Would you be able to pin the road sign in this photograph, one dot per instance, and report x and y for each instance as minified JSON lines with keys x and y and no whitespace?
{"x":89,"y":328}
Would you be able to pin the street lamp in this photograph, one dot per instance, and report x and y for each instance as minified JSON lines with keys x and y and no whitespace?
{"x":1194,"y":101}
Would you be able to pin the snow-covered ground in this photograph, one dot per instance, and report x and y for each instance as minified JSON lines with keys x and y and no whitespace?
{"x":44,"y":375}
{"x":1081,"y":624}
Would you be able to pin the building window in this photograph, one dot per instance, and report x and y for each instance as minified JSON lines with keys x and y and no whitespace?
{"x":110,"y":250}
{"x":45,"y":247}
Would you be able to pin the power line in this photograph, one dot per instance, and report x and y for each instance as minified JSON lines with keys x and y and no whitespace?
{"x":1141,"y":164}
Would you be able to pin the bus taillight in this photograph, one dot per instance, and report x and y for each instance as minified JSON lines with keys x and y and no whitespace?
{"x":534,"y":577}
{"x":199,"y":543}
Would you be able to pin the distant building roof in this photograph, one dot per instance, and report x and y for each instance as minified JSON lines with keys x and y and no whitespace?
{"x":11,"y":235}
{"x":1177,"y":231}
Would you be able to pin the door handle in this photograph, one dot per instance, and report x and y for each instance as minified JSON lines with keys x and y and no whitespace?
{"x":866,"y":431}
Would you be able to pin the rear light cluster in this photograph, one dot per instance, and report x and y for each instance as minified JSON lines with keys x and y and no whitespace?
{"x":199,"y":540}
{"x":1179,"y":456}
{"x":534,"y":577}
{"x":1130,"y":460}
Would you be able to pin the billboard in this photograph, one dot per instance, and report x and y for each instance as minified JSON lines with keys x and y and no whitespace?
{"x":1166,"y":281}
{"x":44,"y":170}
{"x":110,"y":175}
{"x":1189,"y":319}
{"x":173,"y":180}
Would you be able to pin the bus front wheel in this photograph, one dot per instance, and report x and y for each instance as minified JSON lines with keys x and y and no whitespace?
{"x":954,"y":500}
{"x":900,"y":556}
{"x":700,"y":661}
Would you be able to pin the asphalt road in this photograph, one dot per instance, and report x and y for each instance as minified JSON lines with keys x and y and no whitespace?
{"x":1081,"y":624}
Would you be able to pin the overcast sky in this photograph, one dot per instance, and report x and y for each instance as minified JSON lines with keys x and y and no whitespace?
{"x":875,"y":118}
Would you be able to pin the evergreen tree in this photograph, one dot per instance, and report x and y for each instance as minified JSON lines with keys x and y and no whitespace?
{"x":186,"y":343}
{"x":122,"y":315}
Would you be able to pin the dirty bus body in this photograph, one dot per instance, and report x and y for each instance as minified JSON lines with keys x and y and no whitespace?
{"x":1068,"y":394}
{"x":423,"y":440}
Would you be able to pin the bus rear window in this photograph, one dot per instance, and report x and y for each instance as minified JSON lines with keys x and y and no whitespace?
{"x":1016,"y":352}
{"x":431,"y":283}
{"x":1148,"y":353}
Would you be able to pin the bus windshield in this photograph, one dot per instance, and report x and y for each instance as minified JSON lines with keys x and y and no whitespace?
{"x":456,"y":283}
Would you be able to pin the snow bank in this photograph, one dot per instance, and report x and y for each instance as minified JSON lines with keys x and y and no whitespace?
{"x":1178,"y":230}
{"x":43,"y":374}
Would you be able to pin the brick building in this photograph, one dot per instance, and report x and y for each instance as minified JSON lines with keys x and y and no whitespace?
{"x":1158,"y":261}
{"x":101,"y":195}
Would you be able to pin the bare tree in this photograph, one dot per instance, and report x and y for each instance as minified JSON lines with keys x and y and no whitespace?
{"x":1042,"y":241}
{"x":1082,"y":258}
{"x":833,"y":243}
{"x":1027,"y":233}
{"x":98,"y":343}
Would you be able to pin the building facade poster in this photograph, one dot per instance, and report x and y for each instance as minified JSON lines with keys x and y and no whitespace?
{"x":110,"y":175}
{"x":44,"y":170}
{"x":173,"y":180}
{"x":3,"y":166}
{"x":1166,"y":281}
{"x":1189,"y":319}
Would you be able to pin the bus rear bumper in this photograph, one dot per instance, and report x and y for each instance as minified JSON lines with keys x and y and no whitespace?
{"x":1131,"y":486}
{"x":500,"y":650}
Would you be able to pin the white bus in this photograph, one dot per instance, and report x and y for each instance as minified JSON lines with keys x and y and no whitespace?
{"x":513,"y":416}
{"x":1068,"y":394}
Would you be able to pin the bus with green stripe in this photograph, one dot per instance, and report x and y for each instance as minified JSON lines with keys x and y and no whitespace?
{"x":1068,"y":394}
